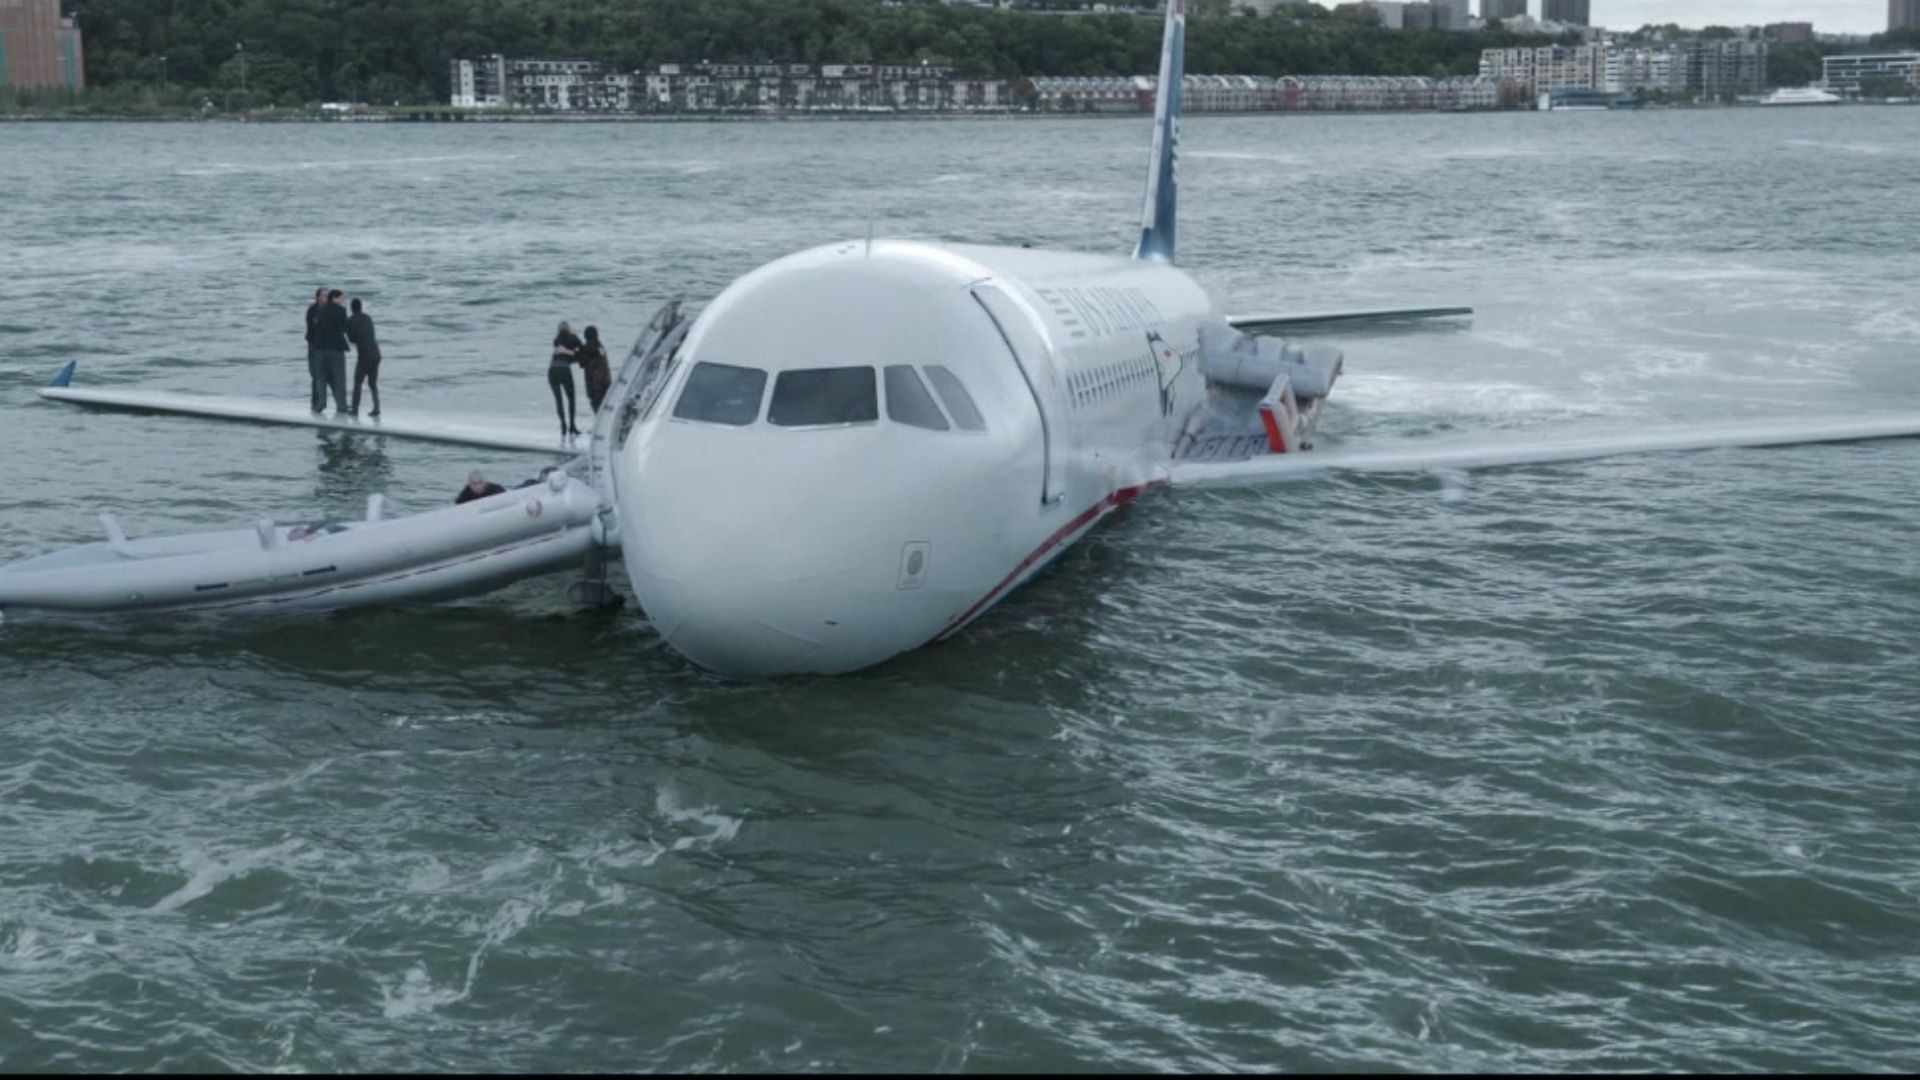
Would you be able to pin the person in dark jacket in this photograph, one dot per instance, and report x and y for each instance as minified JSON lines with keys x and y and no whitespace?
{"x":478,"y":487}
{"x":330,"y":343}
{"x":593,"y":358}
{"x":314,"y":372}
{"x":366,"y":366}
{"x":560,"y":377}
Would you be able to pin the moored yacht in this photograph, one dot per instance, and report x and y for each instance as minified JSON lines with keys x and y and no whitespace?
{"x":1801,"y":95}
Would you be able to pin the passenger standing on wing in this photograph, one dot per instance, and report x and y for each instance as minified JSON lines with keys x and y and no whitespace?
{"x":560,"y":377}
{"x":366,"y":367}
{"x":593,"y":357}
{"x":314,"y":374}
{"x":330,"y":349}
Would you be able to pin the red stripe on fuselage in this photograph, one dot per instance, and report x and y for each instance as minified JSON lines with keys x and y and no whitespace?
{"x":1114,"y":500}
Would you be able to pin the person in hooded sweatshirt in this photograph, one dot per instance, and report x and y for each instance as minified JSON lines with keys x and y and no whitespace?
{"x":366,"y":365}
{"x":599,"y":376}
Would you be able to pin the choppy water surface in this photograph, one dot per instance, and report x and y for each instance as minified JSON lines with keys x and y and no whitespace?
{"x":1596,"y":766}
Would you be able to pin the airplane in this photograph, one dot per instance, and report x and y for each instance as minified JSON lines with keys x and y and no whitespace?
{"x":859,"y":449}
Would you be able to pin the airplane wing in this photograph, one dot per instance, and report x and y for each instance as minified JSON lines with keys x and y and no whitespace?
{"x":1521,"y":448}
{"x":501,"y":434}
{"x":1273,"y":324}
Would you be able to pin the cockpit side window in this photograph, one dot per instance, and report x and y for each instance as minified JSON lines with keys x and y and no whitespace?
{"x":908,"y":401}
{"x":809,"y":397}
{"x":959,"y":403}
{"x":721,"y":394}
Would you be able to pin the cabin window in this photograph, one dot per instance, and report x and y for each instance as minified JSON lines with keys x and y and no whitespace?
{"x":908,"y":401}
{"x":721,"y":394}
{"x":810,"y":397}
{"x":958,"y":402}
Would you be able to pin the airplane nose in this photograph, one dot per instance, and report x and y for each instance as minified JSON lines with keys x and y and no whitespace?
{"x":738,"y":628}
{"x":752,"y":576}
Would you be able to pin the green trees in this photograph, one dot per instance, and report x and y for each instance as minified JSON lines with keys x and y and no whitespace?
{"x":1796,"y":64}
{"x":1886,"y":86}
{"x":297,"y":51}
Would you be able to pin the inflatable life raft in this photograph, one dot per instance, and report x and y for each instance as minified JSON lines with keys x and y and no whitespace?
{"x":460,"y":550}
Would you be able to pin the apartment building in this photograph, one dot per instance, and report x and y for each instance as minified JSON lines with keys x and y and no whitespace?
{"x":1844,"y":74}
{"x":39,"y":50}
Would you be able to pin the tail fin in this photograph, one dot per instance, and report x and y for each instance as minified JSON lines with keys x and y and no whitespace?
{"x":1163,"y":174}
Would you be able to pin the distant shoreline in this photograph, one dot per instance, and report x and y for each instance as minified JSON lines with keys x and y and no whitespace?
{"x":764,"y":118}
{"x":795,"y":117}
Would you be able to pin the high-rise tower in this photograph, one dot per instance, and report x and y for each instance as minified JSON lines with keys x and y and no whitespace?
{"x":1574,"y":12}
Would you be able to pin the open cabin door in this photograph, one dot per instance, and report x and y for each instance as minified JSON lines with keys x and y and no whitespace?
{"x":1029,"y":351}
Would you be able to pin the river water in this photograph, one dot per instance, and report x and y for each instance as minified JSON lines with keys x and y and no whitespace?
{"x":1608,"y":765}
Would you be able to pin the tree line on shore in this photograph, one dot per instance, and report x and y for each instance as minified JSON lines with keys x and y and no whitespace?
{"x":251,"y":53}
{"x":158,"y":55}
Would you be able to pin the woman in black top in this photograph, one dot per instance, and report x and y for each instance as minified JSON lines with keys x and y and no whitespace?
{"x":560,"y":377}
{"x":593,"y":359}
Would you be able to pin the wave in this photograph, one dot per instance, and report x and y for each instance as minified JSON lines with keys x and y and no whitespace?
{"x":235,"y":168}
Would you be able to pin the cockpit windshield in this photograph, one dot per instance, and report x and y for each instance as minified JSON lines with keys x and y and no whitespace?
{"x":908,"y":401}
{"x":809,"y":397}
{"x":959,"y":403}
{"x":722,"y":394}
{"x":828,"y":397}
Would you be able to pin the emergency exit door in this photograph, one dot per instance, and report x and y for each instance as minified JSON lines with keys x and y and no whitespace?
{"x":1017,"y":328}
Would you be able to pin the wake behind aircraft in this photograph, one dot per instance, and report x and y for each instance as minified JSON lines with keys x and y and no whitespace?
{"x":851,"y":452}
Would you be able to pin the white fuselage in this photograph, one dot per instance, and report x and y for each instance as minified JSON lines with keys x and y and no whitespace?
{"x":794,"y":500}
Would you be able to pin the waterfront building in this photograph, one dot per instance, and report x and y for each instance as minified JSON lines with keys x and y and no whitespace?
{"x":1844,"y":74}
{"x":1903,"y":15}
{"x":479,"y":84}
{"x":1134,"y":93}
{"x":1695,"y":67}
{"x":1466,"y":92}
{"x":583,"y":86}
{"x":1632,"y":70}
{"x":1551,"y":67}
{"x":1571,"y":12}
{"x":1260,"y":93}
{"x":1714,"y":69}
{"x":39,"y":50}
{"x":1502,"y":9}
{"x":497,"y":82}
{"x":1101,"y":93}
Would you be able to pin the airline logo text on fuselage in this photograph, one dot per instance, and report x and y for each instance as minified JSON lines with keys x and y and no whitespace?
{"x":1104,"y":309}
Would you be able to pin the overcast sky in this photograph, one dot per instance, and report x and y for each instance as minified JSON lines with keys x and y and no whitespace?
{"x":1827,"y":16}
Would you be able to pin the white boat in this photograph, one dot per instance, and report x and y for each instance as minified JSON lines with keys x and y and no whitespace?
{"x":472,"y":547}
{"x":1801,"y":95}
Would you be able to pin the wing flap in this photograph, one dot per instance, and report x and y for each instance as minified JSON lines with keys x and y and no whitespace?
{"x":1272,"y":324}
{"x":498,"y":434}
{"x":1519,"y":449}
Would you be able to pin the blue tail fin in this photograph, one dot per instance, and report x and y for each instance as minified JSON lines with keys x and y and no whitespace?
{"x":1163,"y":173}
